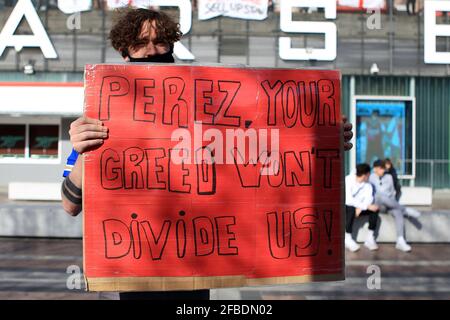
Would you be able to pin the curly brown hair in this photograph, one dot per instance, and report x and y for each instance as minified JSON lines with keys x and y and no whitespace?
{"x":126,"y":31}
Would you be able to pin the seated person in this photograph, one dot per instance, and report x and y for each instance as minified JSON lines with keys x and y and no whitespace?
{"x":385,"y":197}
{"x":391,"y":170}
{"x":359,"y":201}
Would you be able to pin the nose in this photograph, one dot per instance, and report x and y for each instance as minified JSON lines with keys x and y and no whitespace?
{"x":151,"y":49}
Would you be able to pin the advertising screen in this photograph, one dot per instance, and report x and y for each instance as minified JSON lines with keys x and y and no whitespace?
{"x":384,"y":129}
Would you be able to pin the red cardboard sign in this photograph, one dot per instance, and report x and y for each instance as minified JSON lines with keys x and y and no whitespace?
{"x":181,"y":195}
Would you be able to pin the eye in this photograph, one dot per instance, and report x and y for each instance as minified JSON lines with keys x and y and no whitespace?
{"x":160,"y":43}
{"x":140,"y":43}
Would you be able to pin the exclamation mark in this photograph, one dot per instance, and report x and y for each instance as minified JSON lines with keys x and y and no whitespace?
{"x":328,"y":219}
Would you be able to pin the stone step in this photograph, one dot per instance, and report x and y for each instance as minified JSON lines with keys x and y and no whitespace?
{"x":38,"y":219}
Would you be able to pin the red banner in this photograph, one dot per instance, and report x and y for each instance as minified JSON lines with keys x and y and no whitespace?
{"x":212,"y":177}
{"x":361,"y":5}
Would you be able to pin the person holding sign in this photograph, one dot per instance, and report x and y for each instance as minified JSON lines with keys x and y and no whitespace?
{"x":140,"y":35}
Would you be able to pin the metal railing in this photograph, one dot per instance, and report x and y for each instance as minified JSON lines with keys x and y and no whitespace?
{"x":433,"y":173}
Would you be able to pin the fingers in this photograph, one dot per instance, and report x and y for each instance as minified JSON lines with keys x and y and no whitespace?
{"x":348,"y":146}
{"x":88,"y":135}
{"x":85,"y":120}
{"x":348,"y":135}
{"x":85,"y":145}
{"x":77,"y":122}
{"x":88,"y":127}
{"x":348,"y":126}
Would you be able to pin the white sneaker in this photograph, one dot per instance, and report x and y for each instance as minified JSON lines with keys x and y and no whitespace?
{"x":412,"y":213}
{"x":351,"y":245}
{"x":370,"y":243}
{"x":402,"y":245}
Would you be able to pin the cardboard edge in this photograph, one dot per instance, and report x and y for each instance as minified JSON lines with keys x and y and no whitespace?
{"x":128,"y":284}
{"x":86,"y":282}
{"x":83,"y":170}
{"x":91,"y":67}
{"x":342,"y":187}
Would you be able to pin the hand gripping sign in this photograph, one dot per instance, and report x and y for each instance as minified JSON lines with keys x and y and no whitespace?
{"x":212,"y":177}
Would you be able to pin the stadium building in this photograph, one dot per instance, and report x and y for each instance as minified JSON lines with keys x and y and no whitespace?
{"x":395,"y":86}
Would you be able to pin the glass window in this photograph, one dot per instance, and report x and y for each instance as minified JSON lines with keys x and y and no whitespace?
{"x":12,"y":140}
{"x":44,"y":141}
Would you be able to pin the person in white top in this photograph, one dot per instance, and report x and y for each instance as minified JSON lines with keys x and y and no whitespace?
{"x":359,"y":198}
{"x":385,"y":197}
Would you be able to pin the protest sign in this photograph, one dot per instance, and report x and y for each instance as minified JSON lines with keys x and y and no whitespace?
{"x":360,"y":5}
{"x":212,"y":177}
{"x":73,"y":6}
{"x":242,"y":9}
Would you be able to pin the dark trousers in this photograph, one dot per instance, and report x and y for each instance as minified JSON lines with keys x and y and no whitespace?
{"x":350,"y":214}
{"x":409,"y":4}
{"x":166,"y":295}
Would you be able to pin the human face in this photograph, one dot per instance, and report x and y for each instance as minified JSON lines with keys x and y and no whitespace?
{"x":379,"y":171}
{"x":150,"y":48}
{"x":366,"y":177}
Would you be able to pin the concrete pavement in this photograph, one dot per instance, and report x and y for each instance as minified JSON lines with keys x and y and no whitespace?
{"x":33,"y":268}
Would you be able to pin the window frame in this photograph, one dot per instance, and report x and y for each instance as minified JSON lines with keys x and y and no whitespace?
{"x":27,"y":121}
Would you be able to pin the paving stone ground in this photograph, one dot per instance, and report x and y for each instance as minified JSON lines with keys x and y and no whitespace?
{"x":34,"y":268}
